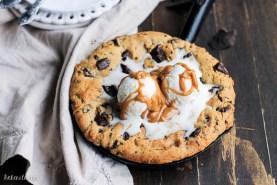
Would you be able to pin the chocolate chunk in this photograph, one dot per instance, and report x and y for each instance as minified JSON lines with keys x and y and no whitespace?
{"x":201,"y":80}
{"x":102,"y":64}
{"x":125,"y":69}
{"x":126,"y":136}
{"x":102,"y":119}
{"x":189,"y":54}
{"x":195,"y":132}
{"x":177,"y":143}
{"x":87,"y":72}
{"x":216,"y":89}
{"x":115,"y":144}
{"x":219,"y":97}
{"x":223,"y":39}
{"x":107,"y":105}
{"x":158,"y":54}
{"x":110,"y":90}
{"x":115,"y":41}
{"x":223,"y":109}
{"x":125,"y":54}
{"x":221,"y":68}
{"x":207,"y":118}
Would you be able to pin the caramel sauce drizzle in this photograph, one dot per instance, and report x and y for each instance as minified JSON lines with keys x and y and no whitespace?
{"x":158,"y":107}
{"x":187,"y":74}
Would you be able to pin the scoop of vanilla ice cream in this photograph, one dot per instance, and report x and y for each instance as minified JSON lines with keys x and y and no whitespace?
{"x":173,"y":81}
{"x":135,"y":109}
{"x":128,"y":89}
{"x":127,"y":86}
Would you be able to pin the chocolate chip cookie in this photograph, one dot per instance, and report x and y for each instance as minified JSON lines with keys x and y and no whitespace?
{"x":152,"y":98}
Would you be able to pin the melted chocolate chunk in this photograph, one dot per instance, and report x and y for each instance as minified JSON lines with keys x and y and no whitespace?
{"x":177,"y":143}
{"x":223,"y":109}
{"x":207,"y":118}
{"x":102,"y":64}
{"x":202,"y":81}
{"x":126,"y":136}
{"x":219,"y":97}
{"x":102,"y":119}
{"x":195,"y":132}
{"x":110,"y":90}
{"x":87,"y":72}
{"x":115,"y":144}
{"x":125,"y":69}
{"x":223,"y":39}
{"x":115,"y":41}
{"x":158,"y":54}
{"x":216,"y":89}
{"x":221,"y":68}
{"x":125,"y":54}
{"x":106,"y":104}
{"x":189,"y":54}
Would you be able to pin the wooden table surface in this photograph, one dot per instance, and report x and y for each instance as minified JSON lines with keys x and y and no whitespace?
{"x":248,"y":153}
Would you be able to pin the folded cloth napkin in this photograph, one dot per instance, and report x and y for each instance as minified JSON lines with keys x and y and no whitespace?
{"x":35,"y":73}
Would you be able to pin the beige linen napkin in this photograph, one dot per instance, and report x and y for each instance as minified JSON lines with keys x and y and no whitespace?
{"x":35,"y":72}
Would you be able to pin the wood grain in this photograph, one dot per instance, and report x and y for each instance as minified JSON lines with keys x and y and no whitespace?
{"x":262,"y":24}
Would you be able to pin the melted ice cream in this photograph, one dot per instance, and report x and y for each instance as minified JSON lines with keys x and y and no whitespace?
{"x":189,"y":107}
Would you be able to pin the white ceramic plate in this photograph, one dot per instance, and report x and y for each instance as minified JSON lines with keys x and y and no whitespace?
{"x":66,"y":13}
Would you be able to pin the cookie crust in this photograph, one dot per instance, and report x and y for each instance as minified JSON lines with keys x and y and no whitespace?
{"x":87,"y":105}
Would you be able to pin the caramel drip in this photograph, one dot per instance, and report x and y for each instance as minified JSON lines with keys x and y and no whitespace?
{"x":187,"y":74}
{"x":156,"y":105}
{"x":158,"y":108}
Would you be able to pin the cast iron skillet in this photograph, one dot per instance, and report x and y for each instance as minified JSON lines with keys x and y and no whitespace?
{"x":198,"y":12}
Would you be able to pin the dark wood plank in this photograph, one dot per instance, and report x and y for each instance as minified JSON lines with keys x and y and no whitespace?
{"x":169,"y":20}
{"x":262,"y":24}
{"x":182,"y":175}
{"x":146,"y":176}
